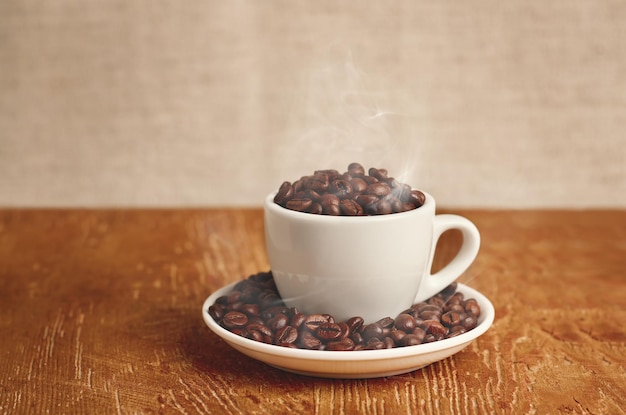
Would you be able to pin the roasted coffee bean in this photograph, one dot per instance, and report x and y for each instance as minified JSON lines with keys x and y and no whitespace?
{"x":307,"y":340}
{"x":406,"y":206}
{"x":285,"y":193}
{"x":472,"y":307}
{"x":396,"y":205}
{"x":330,"y":172}
{"x":260,"y":327}
{"x":297,"y":320}
{"x":357,"y":338}
{"x":329,"y":199}
{"x":470,"y":322}
{"x":384,"y":208}
{"x":389,"y":343}
{"x":259,"y":278}
{"x":432,"y":338}
{"x":249,"y":309}
{"x":240,"y":332}
{"x":316,"y":208}
{"x":397,"y":335}
{"x":355,"y":324}
{"x":423,"y":307}
{"x":350,"y":207}
{"x":328,"y":332}
{"x":298,"y":186}
{"x":379,"y":174}
{"x":417,"y":198}
{"x":366,"y":200}
{"x":313,"y":195}
{"x":234,"y":319}
{"x":242,"y":285}
{"x":378,"y":189}
{"x":344,"y":344}
{"x":437,"y":301}
{"x":410,"y":340}
{"x":287,"y":334}
{"x":233,"y":297}
{"x":299,"y":204}
{"x":452,"y":318}
{"x":255,"y":311}
{"x":457,"y":308}
{"x":430,"y":315}
{"x":341,"y":188}
{"x":256,"y":320}
{"x":386,"y":322}
{"x":249,"y":295}
{"x":356,"y":169}
{"x":456,"y":298}
{"x":405,"y":322}
{"x":373,"y":330}
{"x":411,"y":311}
{"x":392,"y":182}
{"x":358,"y":185}
{"x":288,"y":345}
{"x":277,"y":322}
{"x":313,"y":321}
{"x":401,"y":191}
{"x":302,"y":194}
{"x":217,"y":311}
{"x":456,"y":330}
{"x":434,"y":327}
{"x":390,"y":198}
{"x":269,"y":298}
{"x":332,"y":210}
{"x":345,"y":329}
{"x":372,"y":209}
{"x":419,"y":332}
{"x":255,"y":335}
{"x":375,"y":344}
{"x":223,"y":300}
{"x":272,"y":311}
{"x":319,"y":183}
{"x":236,"y":306}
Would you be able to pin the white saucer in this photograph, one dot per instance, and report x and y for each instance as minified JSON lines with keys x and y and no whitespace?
{"x":353,"y":364}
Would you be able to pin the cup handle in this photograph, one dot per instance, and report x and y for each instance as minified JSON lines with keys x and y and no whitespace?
{"x":433,"y":283}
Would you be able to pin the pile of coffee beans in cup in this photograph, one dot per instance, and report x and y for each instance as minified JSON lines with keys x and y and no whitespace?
{"x":352,"y":193}
{"x":254,"y":310}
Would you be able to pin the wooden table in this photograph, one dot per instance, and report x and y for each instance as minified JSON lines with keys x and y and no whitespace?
{"x":100,"y":312}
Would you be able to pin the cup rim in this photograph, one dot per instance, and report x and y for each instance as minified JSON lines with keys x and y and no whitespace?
{"x":280,"y":210}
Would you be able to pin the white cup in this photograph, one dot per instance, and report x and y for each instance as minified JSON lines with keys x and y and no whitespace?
{"x":367,"y":266}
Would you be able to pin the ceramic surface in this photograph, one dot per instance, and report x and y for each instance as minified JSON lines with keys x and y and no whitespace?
{"x":364,"y":265}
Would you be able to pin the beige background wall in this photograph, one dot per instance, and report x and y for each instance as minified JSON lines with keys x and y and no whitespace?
{"x":202,"y":103}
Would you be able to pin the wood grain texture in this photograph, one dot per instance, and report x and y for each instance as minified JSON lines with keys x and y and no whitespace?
{"x":100,"y":313}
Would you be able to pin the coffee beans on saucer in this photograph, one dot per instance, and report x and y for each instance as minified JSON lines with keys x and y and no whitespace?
{"x":254,"y":310}
{"x":352,"y":193}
